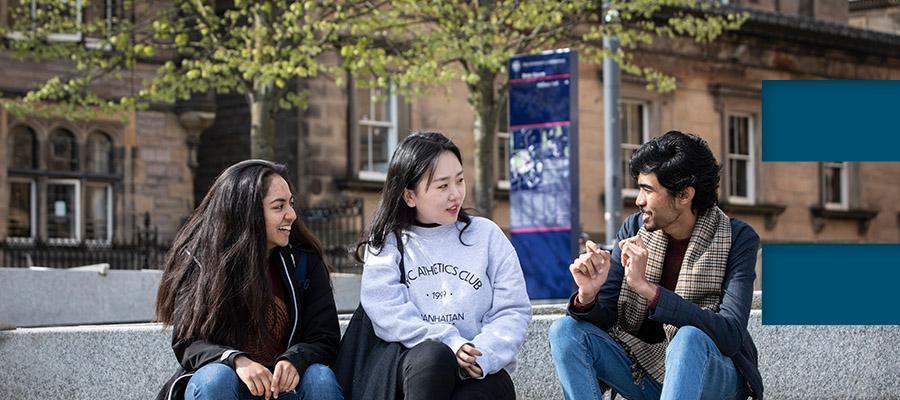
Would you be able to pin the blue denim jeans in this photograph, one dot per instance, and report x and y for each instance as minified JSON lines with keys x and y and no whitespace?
{"x":219,"y":381}
{"x":584,"y":355}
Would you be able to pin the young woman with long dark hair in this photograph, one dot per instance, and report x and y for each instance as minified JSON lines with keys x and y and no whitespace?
{"x":460,"y":309}
{"x":248,"y":295}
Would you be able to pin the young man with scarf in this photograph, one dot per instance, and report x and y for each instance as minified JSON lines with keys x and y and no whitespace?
{"x":665,"y":315}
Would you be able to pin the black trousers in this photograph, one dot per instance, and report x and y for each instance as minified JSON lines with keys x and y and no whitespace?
{"x":428,"y":371}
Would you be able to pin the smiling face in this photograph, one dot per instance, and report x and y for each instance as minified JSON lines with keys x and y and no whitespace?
{"x":279,"y":213}
{"x":661,"y":210}
{"x":439,"y":201}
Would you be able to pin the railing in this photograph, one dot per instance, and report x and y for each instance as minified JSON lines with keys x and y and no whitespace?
{"x":142,"y":252}
{"x":338,"y":227}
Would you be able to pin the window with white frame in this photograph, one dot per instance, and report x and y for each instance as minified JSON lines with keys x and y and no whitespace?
{"x":22,"y":209}
{"x":103,"y":11}
{"x":101,"y":15}
{"x":98,"y":213}
{"x":377,"y":131}
{"x":835,"y":185}
{"x":22,"y":218}
{"x":25,"y":14}
{"x":740,"y":159}
{"x":63,"y":211}
{"x":61,"y":198}
{"x":634,"y":126}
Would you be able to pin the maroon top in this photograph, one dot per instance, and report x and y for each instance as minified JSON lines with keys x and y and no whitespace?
{"x":277,"y":321}
{"x":675,"y":251}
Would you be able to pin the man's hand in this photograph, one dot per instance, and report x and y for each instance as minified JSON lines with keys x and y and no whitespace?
{"x":634,"y":259}
{"x":257,"y":378}
{"x":466,"y":359}
{"x":589,"y":271}
{"x":284,"y":378}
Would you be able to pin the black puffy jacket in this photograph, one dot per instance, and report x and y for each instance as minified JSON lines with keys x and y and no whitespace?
{"x":313,"y":336}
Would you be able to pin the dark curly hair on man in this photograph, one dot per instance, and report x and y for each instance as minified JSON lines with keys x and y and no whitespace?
{"x":680,"y":160}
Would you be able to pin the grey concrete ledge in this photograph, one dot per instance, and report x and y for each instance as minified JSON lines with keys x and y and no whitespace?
{"x":67,"y":297}
{"x":32,"y":298}
{"x":117,"y":296}
{"x":132,"y":361}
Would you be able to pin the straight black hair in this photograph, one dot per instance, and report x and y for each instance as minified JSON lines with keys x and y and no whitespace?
{"x":414,"y":159}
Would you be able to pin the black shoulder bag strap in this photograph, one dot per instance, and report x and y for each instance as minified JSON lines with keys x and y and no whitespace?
{"x":366,"y":365}
{"x":400,"y":247}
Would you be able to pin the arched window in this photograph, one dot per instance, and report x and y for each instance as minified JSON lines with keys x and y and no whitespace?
{"x":99,"y":154}
{"x":22,"y":148}
{"x":21,"y":209}
{"x":63,"y":151}
{"x":62,"y":187}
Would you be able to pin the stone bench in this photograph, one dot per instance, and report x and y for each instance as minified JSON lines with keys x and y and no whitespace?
{"x":132,"y":361}
{"x":98,"y":295}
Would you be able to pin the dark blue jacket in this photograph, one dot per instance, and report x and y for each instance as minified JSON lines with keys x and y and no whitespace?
{"x":727,"y":327}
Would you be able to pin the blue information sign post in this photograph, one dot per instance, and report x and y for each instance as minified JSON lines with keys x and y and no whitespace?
{"x":543,"y":119}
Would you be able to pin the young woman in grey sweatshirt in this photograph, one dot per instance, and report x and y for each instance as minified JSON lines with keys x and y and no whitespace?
{"x":461,"y":310}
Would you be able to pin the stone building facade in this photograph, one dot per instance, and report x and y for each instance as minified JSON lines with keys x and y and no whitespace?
{"x":66,"y":182}
{"x":89,"y":181}
{"x":718,"y":98}
{"x":877,"y":15}
{"x":338,"y":147}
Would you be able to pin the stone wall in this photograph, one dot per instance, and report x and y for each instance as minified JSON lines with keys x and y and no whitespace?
{"x":132,"y":361}
{"x":55,"y":297}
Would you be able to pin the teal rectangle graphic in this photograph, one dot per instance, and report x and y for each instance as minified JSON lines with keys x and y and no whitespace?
{"x":831,"y":284}
{"x":830,"y":120}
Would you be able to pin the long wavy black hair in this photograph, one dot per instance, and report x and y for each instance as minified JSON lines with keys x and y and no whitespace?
{"x":415,"y":158}
{"x":216,"y":285}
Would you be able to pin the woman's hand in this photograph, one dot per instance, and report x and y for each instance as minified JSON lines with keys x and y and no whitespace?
{"x":466,"y":357}
{"x":285,"y":378}
{"x":474,"y":371}
{"x":257,"y":377}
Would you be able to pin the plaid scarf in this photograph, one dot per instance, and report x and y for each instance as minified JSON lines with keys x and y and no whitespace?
{"x":699,"y":282}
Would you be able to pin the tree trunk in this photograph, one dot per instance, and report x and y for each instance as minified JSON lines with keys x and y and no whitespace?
{"x":261,"y":98}
{"x":483,"y":99}
{"x":262,"y":124}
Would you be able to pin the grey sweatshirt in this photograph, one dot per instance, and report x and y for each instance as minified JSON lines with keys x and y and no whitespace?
{"x":456,"y":294}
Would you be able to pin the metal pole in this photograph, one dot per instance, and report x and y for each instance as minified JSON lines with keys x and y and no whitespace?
{"x":612,"y":145}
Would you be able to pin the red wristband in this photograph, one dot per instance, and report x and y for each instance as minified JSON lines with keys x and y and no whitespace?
{"x":580,"y":307}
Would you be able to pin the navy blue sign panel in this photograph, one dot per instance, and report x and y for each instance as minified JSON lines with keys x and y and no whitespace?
{"x":543,"y":165}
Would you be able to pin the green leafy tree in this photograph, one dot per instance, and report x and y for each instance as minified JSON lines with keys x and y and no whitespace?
{"x":435,"y":41}
{"x":254,"y":48}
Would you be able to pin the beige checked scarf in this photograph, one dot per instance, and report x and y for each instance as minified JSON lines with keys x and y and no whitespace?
{"x":699,"y":282}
